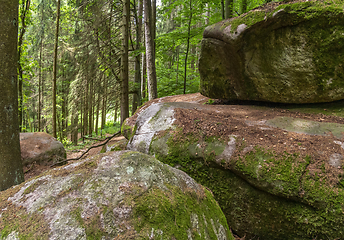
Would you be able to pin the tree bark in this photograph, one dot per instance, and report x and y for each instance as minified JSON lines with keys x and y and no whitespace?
{"x":243,"y":6}
{"x":187,"y":45}
{"x":55,"y":66}
{"x":11,"y":171}
{"x":40,"y":85}
{"x":103,"y":121}
{"x":124,"y":62}
{"x":143,"y":76}
{"x":85,"y":110}
{"x":150,"y":60}
{"x":25,"y":9}
{"x":228,"y":9}
{"x":90,"y":108}
{"x":137,"y":96}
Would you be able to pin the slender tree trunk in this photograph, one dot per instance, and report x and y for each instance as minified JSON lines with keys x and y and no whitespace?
{"x":55,"y":65}
{"x":116,"y":109}
{"x":143,"y":76}
{"x":207,"y":14}
{"x":151,"y":71}
{"x":97,"y":115}
{"x":124,"y":62}
{"x":137,"y":94}
{"x":90,"y":108}
{"x":40,"y":85}
{"x":75,"y":121}
{"x":24,"y":11}
{"x":228,"y":9}
{"x":11,"y":171}
{"x":85,"y":110}
{"x":223,"y":9}
{"x":103,"y":121}
{"x":243,"y":6}
{"x":192,"y":53}
{"x":153,"y":26}
{"x":20,"y":93}
{"x":177,"y":52}
{"x":81,"y":117}
{"x":187,"y":45}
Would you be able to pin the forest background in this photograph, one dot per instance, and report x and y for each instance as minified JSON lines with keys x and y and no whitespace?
{"x":86,"y":65}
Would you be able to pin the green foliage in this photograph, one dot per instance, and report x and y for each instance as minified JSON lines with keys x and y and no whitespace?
{"x":110,"y":128}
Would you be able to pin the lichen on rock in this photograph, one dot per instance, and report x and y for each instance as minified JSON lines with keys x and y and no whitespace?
{"x":124,"y":194}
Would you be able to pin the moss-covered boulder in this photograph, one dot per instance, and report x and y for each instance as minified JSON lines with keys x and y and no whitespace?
{"x":118,"y":195}
{"x":277,"y":178}
{"x":287,"y":53}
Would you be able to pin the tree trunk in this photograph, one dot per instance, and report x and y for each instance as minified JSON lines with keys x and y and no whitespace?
{"x":25,"y":9}
{"x":153,"y":26}
{"x":11,"y":171}
{"x":81,"y":116}
{"x":243,"y":6}
{"x":228,"y":9}
{"x":143,"y":76}
{"x":85,"y":121}
{"x":150,"y":60}
{"x":90,"y":108}
{"x":116,"y":109}
{"x":97,"y":114}
{"x":74,"y":136}
{"x":207,"y":14}
{"x":55,"y":65}
{"x":103,"y":121}
{"x":40,"y":85}
{"x":177,"y":53}
{"x":124,"y":62}
{"x":187,"y":46}
{"x":137,"y":95}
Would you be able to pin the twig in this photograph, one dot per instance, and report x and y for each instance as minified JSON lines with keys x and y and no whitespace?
{"x":102,"y":144}
{"x":32,"y":164}
{"x":91,"y":138}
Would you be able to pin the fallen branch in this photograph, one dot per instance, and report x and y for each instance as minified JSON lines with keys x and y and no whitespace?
{"x":91,"y":138}
{"x":99,"y":145}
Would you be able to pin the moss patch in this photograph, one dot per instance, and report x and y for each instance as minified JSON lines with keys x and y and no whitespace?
{"x":172,"y":212}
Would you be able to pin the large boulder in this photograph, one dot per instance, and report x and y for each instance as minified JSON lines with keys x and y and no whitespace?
{"x":276,"y":174}
{"x":117,"y":195}
{"x":41,"y":148}
{"x":286,"y":53}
